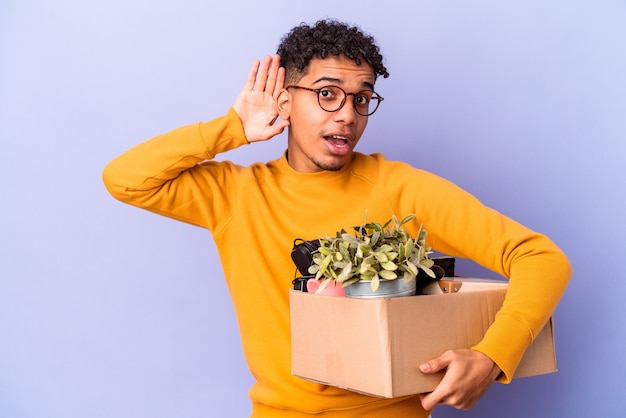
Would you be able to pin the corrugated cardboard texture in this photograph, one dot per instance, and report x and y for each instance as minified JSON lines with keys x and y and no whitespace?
{"x":374,"y":346}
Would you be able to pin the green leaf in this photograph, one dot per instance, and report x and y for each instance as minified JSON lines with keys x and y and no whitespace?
{"x":421,"y":235}
{"x":381,"y":257}
{"x":339,"y":265}
{"x":366,"y":264}
{"x":376,"y":226}
{"x":374,"y":239}
{"x":412,"y":268}
{"x":369,"y":274}
{"x":388,"y":275}
{"x":410,"y":246}
{"x":343,"y":249}
{"x":345,"y":273}
{"x":323,"y":285}
{"x":350,"y":281}
{"x":375,"y":283}
{"x":389,"y":265}
{"x":429,"y":272}
{"x":407,"y":219}
{"x":385,"y":248}
{"x":392,"y":255}
{"x":325,"y":263}
{"x":349,"y":240}
{"x":421,"y":253}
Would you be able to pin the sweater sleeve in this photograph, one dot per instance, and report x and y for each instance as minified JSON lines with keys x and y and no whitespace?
{"x":537,"y":282}
{"x":538,"y":271}
{"x":166,"y":174}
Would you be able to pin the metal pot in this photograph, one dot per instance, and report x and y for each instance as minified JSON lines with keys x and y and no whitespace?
{"x":386,"y":289}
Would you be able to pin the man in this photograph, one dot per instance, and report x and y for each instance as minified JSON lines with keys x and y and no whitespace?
{"x":324,"y":93}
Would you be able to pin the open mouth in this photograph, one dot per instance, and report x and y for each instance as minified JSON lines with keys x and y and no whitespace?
{"x":337,"y":141}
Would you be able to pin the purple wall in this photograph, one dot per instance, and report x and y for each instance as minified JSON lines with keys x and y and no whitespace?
{"x":108,"y":311}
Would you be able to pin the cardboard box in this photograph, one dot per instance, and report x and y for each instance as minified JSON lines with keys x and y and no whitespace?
{"x":374,"y":346}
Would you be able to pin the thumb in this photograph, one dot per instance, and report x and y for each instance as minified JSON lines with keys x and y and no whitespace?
{"x":279,"y":127}
{"x":282,"y":124}
{"x":433,"y":366}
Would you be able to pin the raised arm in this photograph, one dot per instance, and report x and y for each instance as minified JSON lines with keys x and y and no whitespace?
{"x":166,"y":173}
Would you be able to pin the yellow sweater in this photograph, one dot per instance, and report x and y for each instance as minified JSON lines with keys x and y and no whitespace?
{"x":255,"y":213}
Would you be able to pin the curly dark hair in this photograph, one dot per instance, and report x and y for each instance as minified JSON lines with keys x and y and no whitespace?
{"x":327,"y":38}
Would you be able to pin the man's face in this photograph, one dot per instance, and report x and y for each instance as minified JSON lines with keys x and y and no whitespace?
{"x":320,"y":140}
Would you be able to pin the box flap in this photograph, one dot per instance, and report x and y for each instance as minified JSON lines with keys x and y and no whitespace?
{"x":540,"y":357}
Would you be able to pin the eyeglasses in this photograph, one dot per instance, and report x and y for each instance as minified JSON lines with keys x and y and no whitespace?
{"x":332,"y":98}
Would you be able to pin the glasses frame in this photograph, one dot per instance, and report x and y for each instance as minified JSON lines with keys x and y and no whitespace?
{"x":375,"y":96}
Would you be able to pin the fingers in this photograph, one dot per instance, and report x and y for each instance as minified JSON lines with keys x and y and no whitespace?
{"x":280,"y":81}
{"x":468,"y":375}
{"x":274,"y":67}
{"x":430,"y":400}
{"x":250,"y":81}
{"x":266,"y":75}
{"x":263,"y":76}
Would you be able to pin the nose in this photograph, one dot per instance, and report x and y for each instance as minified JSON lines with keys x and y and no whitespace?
{"x":347,"y":113}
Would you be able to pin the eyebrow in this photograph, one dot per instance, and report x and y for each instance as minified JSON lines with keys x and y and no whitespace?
{"x":338,"y":81}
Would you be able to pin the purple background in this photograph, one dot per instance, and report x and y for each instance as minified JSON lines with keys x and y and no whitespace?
{"x":109,"y":311}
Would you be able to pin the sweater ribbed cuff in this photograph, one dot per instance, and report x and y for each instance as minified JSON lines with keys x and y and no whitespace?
{"x":505,"y":342}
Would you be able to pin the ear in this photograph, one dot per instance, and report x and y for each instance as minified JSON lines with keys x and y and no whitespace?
{"x":283,"y":103}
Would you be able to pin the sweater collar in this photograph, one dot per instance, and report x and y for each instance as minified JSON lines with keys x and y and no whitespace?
{"x":288,"y":174}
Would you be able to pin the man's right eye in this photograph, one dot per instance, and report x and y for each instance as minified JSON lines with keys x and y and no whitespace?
{"x":327,"y":94}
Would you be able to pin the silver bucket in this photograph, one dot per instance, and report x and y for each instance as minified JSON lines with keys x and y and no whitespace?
{"x":386,"y":289}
